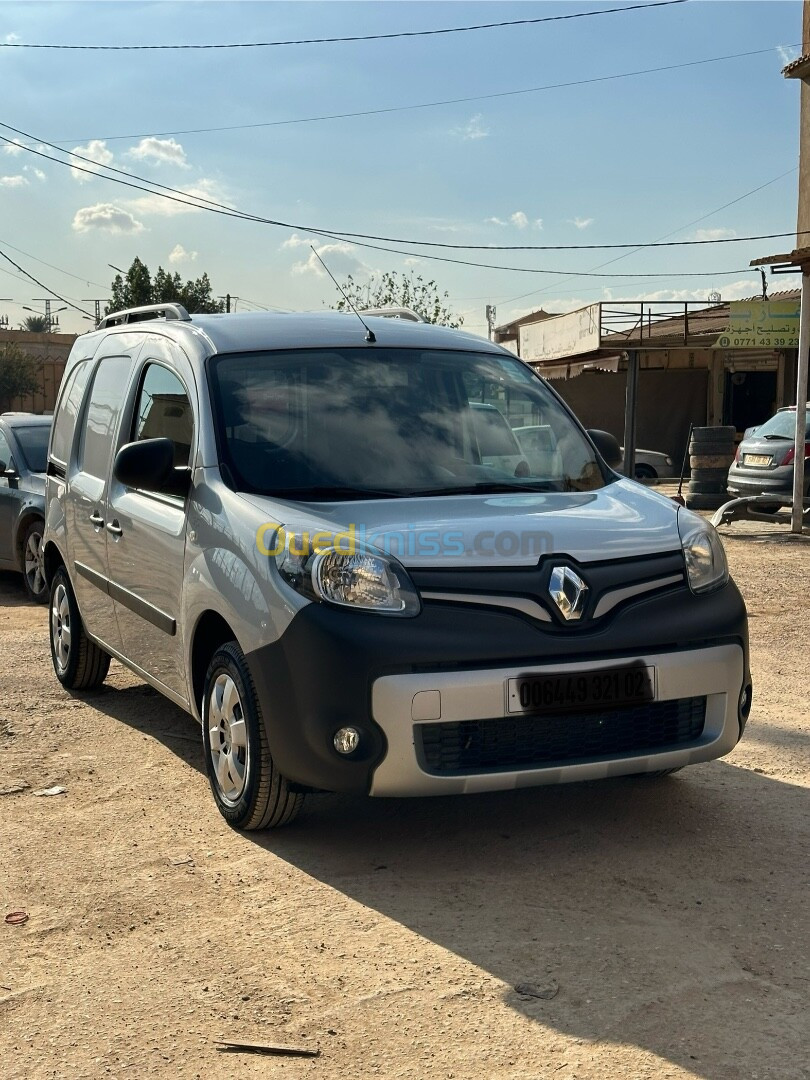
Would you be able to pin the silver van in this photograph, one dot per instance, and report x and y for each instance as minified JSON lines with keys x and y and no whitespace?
{"x":288,"y":526}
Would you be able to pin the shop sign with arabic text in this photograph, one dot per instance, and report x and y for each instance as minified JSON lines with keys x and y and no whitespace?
{"x":761,"y":324}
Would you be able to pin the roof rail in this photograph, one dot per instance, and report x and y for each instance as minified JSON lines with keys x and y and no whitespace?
{"x":404,"y":313}
{"x":169,"y":312}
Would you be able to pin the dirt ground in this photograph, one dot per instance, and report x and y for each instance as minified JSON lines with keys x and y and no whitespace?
{"x":663,"y":924}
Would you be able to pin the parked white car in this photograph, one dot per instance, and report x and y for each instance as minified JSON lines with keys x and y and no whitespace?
{"x":653,"y":465}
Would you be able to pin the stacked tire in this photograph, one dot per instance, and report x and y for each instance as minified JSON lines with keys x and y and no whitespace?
{"x":711,"y":452}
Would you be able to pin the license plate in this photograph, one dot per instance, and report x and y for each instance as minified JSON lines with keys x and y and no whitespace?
{"x":760,"y":460}
{"x":603,"y":689}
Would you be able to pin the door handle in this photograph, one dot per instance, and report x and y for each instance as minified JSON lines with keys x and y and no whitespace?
{"x":115,"y":528}
{"x":97,"y":519}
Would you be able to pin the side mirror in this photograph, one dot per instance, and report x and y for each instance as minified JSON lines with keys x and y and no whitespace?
{"x":607,"y":446}
{"x":149,"y":464}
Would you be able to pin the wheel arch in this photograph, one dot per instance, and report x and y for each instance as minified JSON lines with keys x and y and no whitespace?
{"x":52,"y":560}
{"x":211,"y":631}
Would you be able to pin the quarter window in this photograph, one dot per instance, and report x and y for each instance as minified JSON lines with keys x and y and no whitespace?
{"x":5,"y":453}
{"x":65,"y":422}
{"x":164,"y":412}
{"x":106,"y":396}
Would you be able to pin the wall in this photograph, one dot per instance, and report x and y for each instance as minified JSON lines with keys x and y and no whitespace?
{"x":51,"y":352}
{"x":668,"y":401}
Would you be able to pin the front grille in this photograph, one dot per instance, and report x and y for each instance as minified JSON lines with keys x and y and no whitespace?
{"x":528,"y":742}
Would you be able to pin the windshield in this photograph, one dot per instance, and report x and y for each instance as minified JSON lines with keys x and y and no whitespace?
{"x":782,"y":426}
{"x":33,"y":442}
{"x":346,"y":423}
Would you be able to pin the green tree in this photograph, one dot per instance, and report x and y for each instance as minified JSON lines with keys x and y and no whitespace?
{"x":392,"y":289}
{"x":35,"y":324}
{"x":137,"y":288}
{"x":18,"y":374}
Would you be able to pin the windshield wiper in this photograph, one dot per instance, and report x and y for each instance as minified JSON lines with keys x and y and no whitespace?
{"x":787,"y":438}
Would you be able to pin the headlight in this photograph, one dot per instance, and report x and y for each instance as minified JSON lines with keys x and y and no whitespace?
{"x":361,"y":578}
{"x":706,"y":565}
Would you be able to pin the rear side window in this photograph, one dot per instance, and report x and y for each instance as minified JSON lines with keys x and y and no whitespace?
{"x":164,"y":412}
{"x":106,"y":398}
{"x":5,"y":453}
{"x":65,"y":421}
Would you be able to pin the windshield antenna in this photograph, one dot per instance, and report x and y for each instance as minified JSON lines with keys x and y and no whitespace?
{"x":370,"y":338}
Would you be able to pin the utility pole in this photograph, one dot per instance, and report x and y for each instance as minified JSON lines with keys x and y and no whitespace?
{"x":50,"y":320}
{"x":227,"y":299}
{"x":98,"y":303}
{"x":4,"y":318}
{"x":490,"y":311}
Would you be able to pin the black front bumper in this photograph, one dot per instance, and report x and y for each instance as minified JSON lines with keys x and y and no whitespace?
{"x":318,"y":676}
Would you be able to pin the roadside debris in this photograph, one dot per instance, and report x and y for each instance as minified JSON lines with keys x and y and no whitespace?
{"x":55,"y":790}
{"x":17,"y":918}
{"x":534,"y":990}
{"x":13,"y":787}
{"x":259,"y":1048}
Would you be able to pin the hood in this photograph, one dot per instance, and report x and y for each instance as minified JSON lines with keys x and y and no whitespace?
{"x":621,"y":520}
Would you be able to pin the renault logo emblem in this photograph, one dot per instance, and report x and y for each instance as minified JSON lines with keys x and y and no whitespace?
{"x":568,"y":591}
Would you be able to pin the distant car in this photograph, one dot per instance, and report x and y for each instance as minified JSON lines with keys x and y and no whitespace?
{"x":652,"y":465}
{"x":765,"y":457}
{"x":497,"y":443}
{"x":23,"y":460}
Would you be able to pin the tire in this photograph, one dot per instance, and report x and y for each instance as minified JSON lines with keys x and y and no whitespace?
{"x":32,"y":567}
{"x":248,"y":789}
{"x":706,"y":502}
{"x":712,"y":449}
{"x":723,"y":434}
{"x":78,"y":662}
{"x":711,"y":461}
{"x":645,"y":472}
{"x":709,"y":476}
{"x":707,"y":487}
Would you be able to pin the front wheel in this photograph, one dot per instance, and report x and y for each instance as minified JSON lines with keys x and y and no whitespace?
{"x":78,"y":662}
{"x":32,"y":566}
{"x":645,"y":472}
{"x":248,"y":789}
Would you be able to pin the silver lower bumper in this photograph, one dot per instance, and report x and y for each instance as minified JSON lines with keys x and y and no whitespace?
{"x":401,"y":702}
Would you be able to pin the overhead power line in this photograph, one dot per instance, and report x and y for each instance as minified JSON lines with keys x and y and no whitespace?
{"x":351,"y":38}
{"x":51,"y":266}
{"x":387,"y":110}
{"x":201,"y":203}
{"x":36,"y":281}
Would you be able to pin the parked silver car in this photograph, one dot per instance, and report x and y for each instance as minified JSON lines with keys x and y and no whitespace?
{"x":763,"y":464}
{"x":23,"y":458}
{"x":295,"y":527}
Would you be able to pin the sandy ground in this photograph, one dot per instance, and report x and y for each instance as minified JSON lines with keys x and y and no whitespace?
{"x":664,"y":923}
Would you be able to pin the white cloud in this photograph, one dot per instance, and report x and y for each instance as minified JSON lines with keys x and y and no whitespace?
{"x":519,"y":219}
{"x":581,"y":222}
{"x":38,"y":173}
{"x":163,"y":207}
{"x":713,"y":234}
{"x":473,"y":129}
{"x":11,"y":39}
{"x":16,"y":146}
{"x":538,"y":223}
{"x":494,"y":221}
{"x":413,"y":262}
{"x":105,"y":218}
{"x":13,"y":181}
{"x":294,"y":241}
{"x":178,"y":254}
{"x":167,"y":151}
{"x":787,"y":55}
{"x":96,"y":150}
{"x":340,"y":259}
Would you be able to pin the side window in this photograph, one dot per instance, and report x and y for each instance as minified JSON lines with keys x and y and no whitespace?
{"x":5,"y":454}
{"x":163,"y":411}
{"x":65,"y":422}
{"x":106,"y":398}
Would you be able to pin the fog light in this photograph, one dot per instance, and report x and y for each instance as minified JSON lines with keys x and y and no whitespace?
{"x":346,"y":740}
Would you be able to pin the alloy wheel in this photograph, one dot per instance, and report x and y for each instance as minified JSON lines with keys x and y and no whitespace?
{"x":34,"y":569}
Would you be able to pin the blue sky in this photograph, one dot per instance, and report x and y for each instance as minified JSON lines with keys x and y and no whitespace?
{"x":619,"y":161}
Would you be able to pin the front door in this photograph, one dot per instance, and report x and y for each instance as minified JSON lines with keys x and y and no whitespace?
{"x":146,"y":545}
